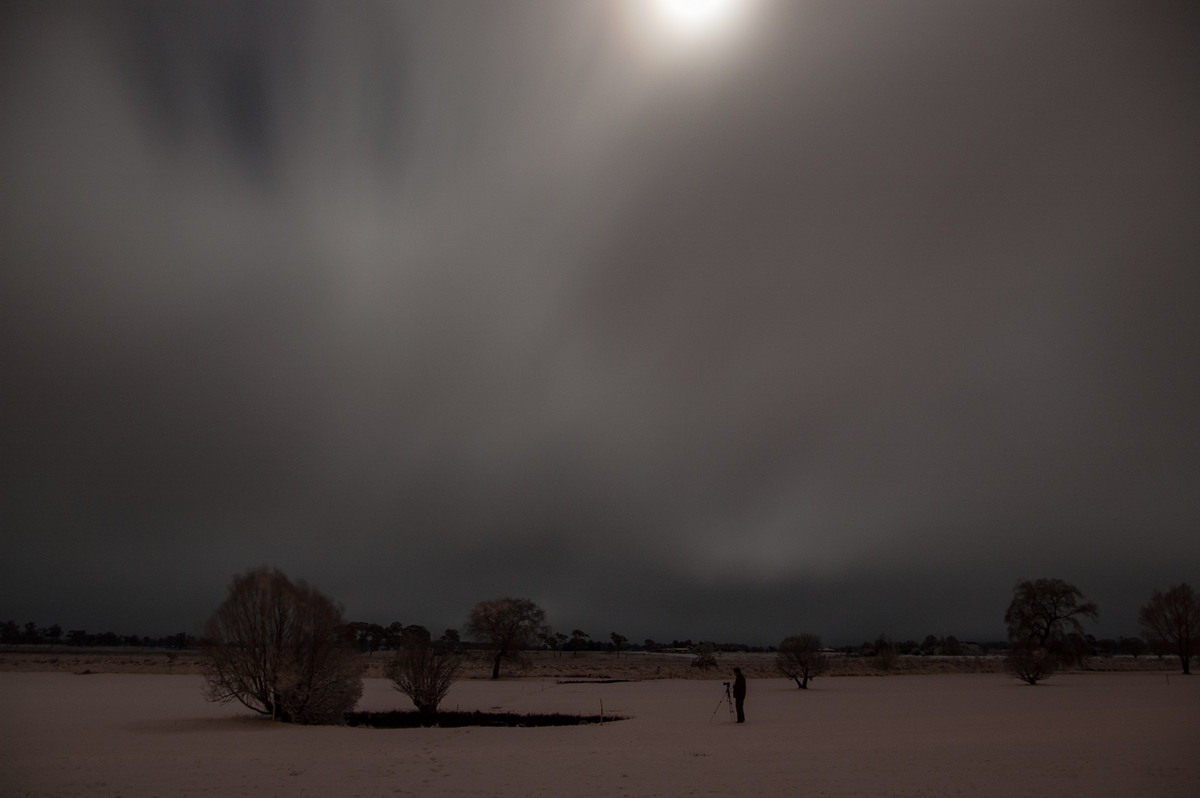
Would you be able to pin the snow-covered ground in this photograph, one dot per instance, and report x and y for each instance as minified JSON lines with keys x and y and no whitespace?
{"x":1088,"y":734}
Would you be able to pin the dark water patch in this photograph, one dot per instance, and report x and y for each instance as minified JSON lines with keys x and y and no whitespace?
{"x":592,"y":681}
{"x":413,"y":720}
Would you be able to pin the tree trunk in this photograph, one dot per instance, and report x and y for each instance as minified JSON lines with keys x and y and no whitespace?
{"x":496,"y":665}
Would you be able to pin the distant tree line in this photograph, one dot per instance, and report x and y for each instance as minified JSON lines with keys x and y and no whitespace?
{"x":1044,"y":620}
{"x":689,"y":645}
{"x":31,"y":633}
{"x":372,"y":637}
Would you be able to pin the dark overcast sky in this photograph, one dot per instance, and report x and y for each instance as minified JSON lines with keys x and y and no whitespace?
{"x":840,"y":317}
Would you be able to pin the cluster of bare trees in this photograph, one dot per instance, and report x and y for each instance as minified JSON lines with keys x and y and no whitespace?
{"x":1045,"y":626}
{"x":1170,"y":622}
{"x":1045,"y":629}
{"x":283,"y":649}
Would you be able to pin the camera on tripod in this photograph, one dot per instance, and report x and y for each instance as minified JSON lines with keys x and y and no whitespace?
{"x":725,"y":699}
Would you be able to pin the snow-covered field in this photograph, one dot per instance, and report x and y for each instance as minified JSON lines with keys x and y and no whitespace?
{"x":1093,"y":734}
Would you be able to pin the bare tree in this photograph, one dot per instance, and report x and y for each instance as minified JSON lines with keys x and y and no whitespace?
{"x":800,"y":659}
{"x":1030,"y":662}
{"x":1171,"y":623}
{"x":424,"y":674}
{"x":706,"y":656}
{"x":1046,"y":613}
{"x":549,"y":639}
{"x":281,"y":649}
{"x":507,"y":625}
{"x":578,"y":642}
{"x":887,"y":656}
{"x":449,"y":640}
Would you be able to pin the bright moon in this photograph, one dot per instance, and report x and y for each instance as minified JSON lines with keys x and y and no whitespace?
{"x":691,"y":34}
{"x":696,"y":13}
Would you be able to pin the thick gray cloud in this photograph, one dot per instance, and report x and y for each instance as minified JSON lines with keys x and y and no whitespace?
{"x":843,"y":323}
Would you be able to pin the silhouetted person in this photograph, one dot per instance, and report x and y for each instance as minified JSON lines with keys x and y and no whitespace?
{"x":739,"y":694}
